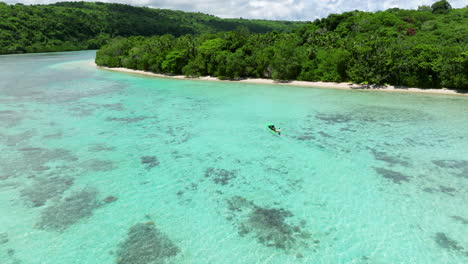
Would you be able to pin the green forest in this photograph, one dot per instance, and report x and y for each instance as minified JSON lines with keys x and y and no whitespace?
{"x":83,"y":25}
{"x":427,"y":47}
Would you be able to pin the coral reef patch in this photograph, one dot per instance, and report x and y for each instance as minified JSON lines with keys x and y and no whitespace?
{"x":446,"y":242}
{"x":110,"y":199}
{"x":374,"y":114}
{"x":220,"y":176}
{"x":146,"y":245}
{"x":10,"y":118}
{"x":149,"y":162}
{"x":128,"y":120}
{"x":3,"y":238}
{"x":395,"y":176}
{"x":43,"y":189}
{"x":69,"y":210}
{"x":457,"y":168}
{"x":36,"y":158}
{"x":460,"y":219}
{"x":442,"y":189}
{"x":100,"y":147}
{"x":334,"y":118}
{"x":98,"y":165}
{"x":53,"y":136}
{"x":389,"y":159}
{"x":15,"y":139}
{"x":270,"y":227}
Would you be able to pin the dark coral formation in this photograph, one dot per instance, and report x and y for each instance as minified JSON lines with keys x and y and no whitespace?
{"x":457,"y":168}
{"x":82,"y":110}
{"x":110,"y":199}
{"x":149,"y":162}
{"x":146,"y":245}
{"x":460,"y":219}
{"x":10,"y":252}
{"x":238,"y":203}
{"x":100,"y":147}
{"x":395,"y":176}
{"x":53,"y":136}
{"x":13,"y":140}
{"x":269,"y":226}
{"x":115,"y":106}
{"x":391,"y":160}
{"x":334,"y":118}
{"x":98,"y":165}
{"x":272,"y":221}
{"x":36,"y":158}
{"x":44,"y":155}
{"x":10,"y":118}
{"x":442,"y":189}
{"x":43,"y":189}
{"x":178,"y":135}
{"x":3,"y":238}
{"x":307,"y":136}
{"x":445,"y":242}
{"x":220,"y":176}
{"x":451,"y":164}
{"x":127,"y":120}
{"x":447,"y":190}
{"x":69,"y":210}
{"x":374,"y":114}
{"x":324,"y":134}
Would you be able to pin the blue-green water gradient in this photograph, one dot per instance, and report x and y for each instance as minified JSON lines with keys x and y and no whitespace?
{"x":103,"y":167}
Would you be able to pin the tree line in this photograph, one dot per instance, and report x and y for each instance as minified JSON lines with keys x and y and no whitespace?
{"x":427,"y":47}
{"x":83,"y":25}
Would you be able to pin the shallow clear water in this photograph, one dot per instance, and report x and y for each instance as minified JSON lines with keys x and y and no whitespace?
{"x":105,"y":167}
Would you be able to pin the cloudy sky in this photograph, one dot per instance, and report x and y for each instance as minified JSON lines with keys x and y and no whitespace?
{"x":270,"y":9}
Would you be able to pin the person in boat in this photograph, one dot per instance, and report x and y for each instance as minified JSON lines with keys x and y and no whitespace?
{"x":277,"y":130}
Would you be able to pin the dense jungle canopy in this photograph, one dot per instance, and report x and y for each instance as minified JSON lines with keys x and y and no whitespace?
{"x":84,"y":25}
{"x":427,"y":47}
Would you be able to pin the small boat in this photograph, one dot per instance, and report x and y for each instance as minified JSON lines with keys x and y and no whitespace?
{"x":273,"y":129}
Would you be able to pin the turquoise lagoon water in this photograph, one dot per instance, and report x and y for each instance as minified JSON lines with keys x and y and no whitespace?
{"x":105,"y":167}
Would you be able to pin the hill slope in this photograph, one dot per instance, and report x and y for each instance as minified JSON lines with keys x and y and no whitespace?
{"x":84,"y":25}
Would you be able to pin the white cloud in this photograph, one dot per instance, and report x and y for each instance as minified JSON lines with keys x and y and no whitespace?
{"x":270,"y":9}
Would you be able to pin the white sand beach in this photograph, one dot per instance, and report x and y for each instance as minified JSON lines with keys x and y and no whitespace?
{"x":385,"y":88}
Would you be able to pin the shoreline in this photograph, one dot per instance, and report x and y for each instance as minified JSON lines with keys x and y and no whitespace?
{"x":326,"y":85}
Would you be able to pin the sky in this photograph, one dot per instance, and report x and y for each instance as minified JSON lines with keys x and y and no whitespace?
{"x":305,"y":10}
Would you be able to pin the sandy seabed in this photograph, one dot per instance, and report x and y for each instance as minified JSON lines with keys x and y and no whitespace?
{"x":332,"y":85}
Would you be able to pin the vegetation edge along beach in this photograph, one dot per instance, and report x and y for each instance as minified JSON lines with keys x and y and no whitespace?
{"x":326,"y":85}
{"x":425,"y":48}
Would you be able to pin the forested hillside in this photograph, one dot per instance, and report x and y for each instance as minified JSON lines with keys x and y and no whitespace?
{"x":83,"y":25}
{"x":427,"y":47}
